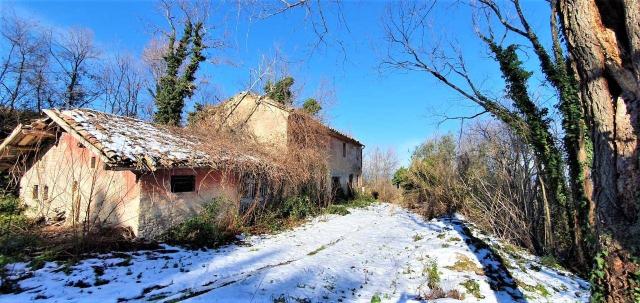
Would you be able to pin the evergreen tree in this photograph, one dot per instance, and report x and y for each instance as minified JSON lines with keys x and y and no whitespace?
{"x":311,"y":106}
{"x":173,"y":88}
{"x":280,"y":91}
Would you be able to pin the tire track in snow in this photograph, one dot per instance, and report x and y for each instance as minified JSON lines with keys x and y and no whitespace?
{"x":188,"y":293}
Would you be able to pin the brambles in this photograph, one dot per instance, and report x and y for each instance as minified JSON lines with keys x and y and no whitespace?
{"x":202,"y":230}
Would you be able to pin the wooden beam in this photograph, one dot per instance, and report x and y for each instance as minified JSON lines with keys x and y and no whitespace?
{"x":38,"y":133}
{"x":26,"y":148}
{"x":9,"y":140}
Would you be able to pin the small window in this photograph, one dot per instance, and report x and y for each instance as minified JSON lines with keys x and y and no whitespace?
{"x":93,"y":162}
{"x":45,"y":193}
{"x":335,"y":182}
{"x":183,"y":184}
{"x":34,"y":193}
{"x":344,"y":149}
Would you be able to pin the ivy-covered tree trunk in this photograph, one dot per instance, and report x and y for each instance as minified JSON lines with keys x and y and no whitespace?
{"x":603,"y":38}
{"x":172,"y":88}
{"x":539,"y":136}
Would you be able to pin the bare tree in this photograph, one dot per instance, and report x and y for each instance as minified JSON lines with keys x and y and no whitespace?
{"x":121,"y":83}
{"x":75,"y":55}
{"x":24,"y":57}
{"x":377,"y":170}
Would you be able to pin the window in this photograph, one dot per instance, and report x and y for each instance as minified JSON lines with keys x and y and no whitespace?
{"x":335,"y":182}
{"x":344,"y":149}
{"x":183,"y":184}
{"x":34,"y":193}
{"x":93,"y":162}
{"x":45,"y":193}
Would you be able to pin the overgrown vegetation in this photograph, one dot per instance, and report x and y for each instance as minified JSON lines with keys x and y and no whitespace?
{"x":280,"y":91}
{"x":311,"y":106}
{"x":202,"y":230}
{"x":217,"y":223}
{"x":491,"y":176}
{"x":570,"y":169}
{"x":15,"y":232}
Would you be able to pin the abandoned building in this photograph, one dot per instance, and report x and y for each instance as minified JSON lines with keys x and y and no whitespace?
{"x":270,"y":122}
{"x":88,"y":166}
{"x":83,"y":165}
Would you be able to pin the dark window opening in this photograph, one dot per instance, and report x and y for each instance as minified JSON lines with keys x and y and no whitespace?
{"x":93,"y":162}
{"x":344,"y":149}
{"x":34,"y":194}
{"x":183,"y":184}
{"x":45,"y":193}
{"x":335,"y":182}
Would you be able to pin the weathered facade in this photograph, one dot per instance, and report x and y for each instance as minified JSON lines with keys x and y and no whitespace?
{"x":270,"y":123}
{"x":88,"y":166}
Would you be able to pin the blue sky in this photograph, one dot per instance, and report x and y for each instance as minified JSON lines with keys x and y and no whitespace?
{"x":384,"y":108}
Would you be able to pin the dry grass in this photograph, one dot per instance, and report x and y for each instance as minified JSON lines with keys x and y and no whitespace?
{"x":465,"y":264}
{"x":439,"y":293}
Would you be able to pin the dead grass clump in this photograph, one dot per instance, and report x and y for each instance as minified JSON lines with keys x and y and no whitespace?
{"x":439,"y":293}
{"x":465,"y":264}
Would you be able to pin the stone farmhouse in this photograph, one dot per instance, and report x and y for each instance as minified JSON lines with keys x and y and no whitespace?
{"x":88,"y":166}
{"x":270,"y":122}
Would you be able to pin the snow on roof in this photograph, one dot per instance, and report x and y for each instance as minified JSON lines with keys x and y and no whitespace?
{"x":131,"y":142}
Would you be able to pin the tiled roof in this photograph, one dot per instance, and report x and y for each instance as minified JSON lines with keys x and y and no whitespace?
{"x":129,"y":142}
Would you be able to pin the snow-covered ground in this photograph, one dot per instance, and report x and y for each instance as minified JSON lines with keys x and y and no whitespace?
{"x":379,"y":252}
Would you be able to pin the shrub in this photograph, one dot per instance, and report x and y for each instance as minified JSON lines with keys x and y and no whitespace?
{"x":15,"y":232}
{"x":268,"y":220}
{"x":433,"y":275}
{"x":202,"y":230}
{"x":364,"y":198}
{"x":336,"y":209}
{"x":297,"y":207}
{"x":10,"y":205}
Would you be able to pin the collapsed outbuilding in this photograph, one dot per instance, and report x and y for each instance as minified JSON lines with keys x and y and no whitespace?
{"x":87,"y":166}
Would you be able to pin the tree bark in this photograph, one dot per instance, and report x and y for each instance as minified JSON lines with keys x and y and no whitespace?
{"x":603,"y":38}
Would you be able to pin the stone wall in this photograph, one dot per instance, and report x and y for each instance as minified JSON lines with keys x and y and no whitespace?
{"x":345,"y":160}
{"x":265,"y":121}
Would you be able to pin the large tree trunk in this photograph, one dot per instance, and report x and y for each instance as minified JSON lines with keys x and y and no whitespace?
{"x":603,"y":39}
